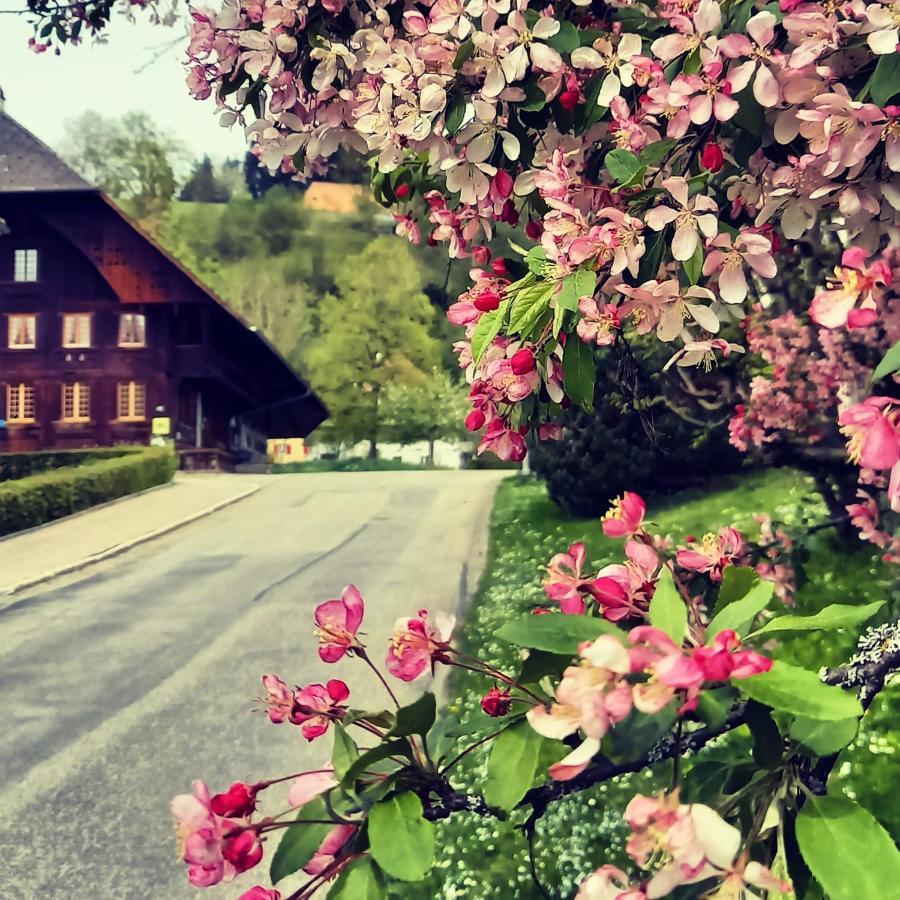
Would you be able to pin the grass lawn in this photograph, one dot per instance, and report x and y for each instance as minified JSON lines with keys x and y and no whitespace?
{"x":485,"y":859}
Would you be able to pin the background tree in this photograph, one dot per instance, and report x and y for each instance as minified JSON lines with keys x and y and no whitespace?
{"x":204,"y":186}
{"x":374,"y":332}
{"x":431,"y":409}
{"x":128,"y":158}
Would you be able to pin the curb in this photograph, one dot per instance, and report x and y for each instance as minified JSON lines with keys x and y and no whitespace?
{"x":6,"y":591}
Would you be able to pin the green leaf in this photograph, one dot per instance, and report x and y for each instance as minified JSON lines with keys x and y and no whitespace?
{"x":539,"y":663}
{"x":653,"y":154}
{"x":799,"y":691}
{"x":535,"y":98}
{"x":566,"y":39}
{"x":401,"y":840}
{"x":465,"y":52}
{"x":739,"y":615}
{"x":639,"y":732}
{"x":592,"y":113}
{"x":653,"y":254}
{"x":837,"y":615}
{"x":693,"y":267}
{"x":823,"y":738}
{"x":344,"y":752}
{"x":527,"y":306}
{"x":768,"y":747}
{"x":713,"y":706}
{"x":622,"y":165}
{"x":559,"y":314}
{"x":487,"y":329}
{"x":578,"y":372}
{"x":667,"y":609}
{"x":299,"y":842}
{"x":581,"y":283}
{"x":556,"y":632}
{"x":736,"y":583}
{"x":536,"y":259}
{"x":885,"y":82}
{"x":361,"y":880}
{"x":750,"y":116}
{"x":512,"y":765}
{"x":376,"y":754}
{"x":456,"y":113}
{"x":847,"y":850}
{"x":889,"y":364}
{"x":692,"y":63}
{"x":416,"y":718}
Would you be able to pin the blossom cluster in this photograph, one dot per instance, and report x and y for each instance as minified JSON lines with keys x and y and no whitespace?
{"x":657,"y":159}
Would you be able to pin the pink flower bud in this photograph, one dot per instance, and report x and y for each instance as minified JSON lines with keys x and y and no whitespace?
{"x":496,"y":702}
{"x":487,"y":300}
{"x":569,"y":99}
{"x":522,"y":361}
{"x":402,"y":191}
{"x":534,"y":230}
{"x":498,"y":266}
{"x":481,"y":254}
{"x":502,"y":184}
{"x":475,"y":420}
{"x":711,"y":157}
{"x":238,"y":801}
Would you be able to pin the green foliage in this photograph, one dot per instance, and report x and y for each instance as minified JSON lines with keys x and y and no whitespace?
{"x":512,"y":766}
{"x":847,"y":850}
{"x":204,"y":186}
{"x":48,"y":495}
{"x":402,"y":841}
{"x":20,"y":465}
{"x":417,"y":718}
{"x":556,"y":632}
{"x":838,"y":615}
{"x":667,"y":610}
{"x":429,"y":409}
{"x":347,"y":465}
{"x":299,"y":842}
{"x":362,"y":880}
{"x":740,"y":613}
{"x":375,"y":332}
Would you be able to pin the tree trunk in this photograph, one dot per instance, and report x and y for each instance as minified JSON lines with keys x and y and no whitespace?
{"x":431,"y":451}
{"x":373,"y":448}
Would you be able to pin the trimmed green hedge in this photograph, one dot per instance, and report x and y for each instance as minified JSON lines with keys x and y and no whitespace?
{"x":49,"y":495}
{"x":21,"y":465}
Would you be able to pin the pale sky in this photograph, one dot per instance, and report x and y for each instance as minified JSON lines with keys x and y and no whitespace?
{"x":42,"y":91}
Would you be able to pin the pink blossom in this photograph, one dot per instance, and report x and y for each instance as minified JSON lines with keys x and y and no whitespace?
{"x":669,"y":668}
{"x":625,"y":518}
{"x":317,"y":705}
{"x":854,"y":283}
{"x":596,"y":325}
{"x":238,"y":801}
{"x":609,"y":883}
{"x":504,"y":442}
{"x":728,"y":258}
{"x":329,"y":849}
{"x":724,"y":659}
{"x":279,"y":698}
{"x":765,"y":62}
{"x":691,"y":218}
{"x":873,"y":428}
{"x":419,"y":642}
{"x":338,"y":622}
{"x":565,"y":583}
{"x":309,"y":785}
{"x":258,"y":892}
{"x":706,"y":19}
{"x":713,"y":554}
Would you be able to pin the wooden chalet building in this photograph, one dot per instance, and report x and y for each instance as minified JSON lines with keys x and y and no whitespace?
{"x":104,"y":336}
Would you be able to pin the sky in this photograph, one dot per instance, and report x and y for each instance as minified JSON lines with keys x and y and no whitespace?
{"x":42,"y":91}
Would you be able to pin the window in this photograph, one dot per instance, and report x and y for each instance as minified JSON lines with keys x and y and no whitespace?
{"x":23,"y":332}
{"x":25,"y":265}
{"x":131,"y":401}
{"x":76,"y":402}
{"x":20,"y":403}
{"x":132,"y":330}
{"x":76,"y":330}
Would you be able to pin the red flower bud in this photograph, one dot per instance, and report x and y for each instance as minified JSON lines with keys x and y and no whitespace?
{"x":502,"y":183}
{"x":569,"y":100}
{"x":487,"y":300}
{"x":475,"y":420}
{"x":522,"y":361}
{"x":498,"y":266}
{"x":402,"y":191}
{"x":509,"y":213}
{"x":496,"y":702}
{"x":243,"y":851}
{"x":481,"y":255}
{"x":534,"y":230}
{"x":239,"y":800}
{"x":711,"y":157}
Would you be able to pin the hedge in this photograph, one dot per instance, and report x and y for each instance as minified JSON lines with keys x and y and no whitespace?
{"x":21,"y":465}
{"x":49,"y":495}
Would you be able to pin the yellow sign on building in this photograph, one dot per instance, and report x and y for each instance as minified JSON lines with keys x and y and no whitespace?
{"x":286,"y":450}
{"x":161,"y":426}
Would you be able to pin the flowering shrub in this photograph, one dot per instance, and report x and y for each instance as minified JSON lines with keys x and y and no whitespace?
{"x":645,"y":660}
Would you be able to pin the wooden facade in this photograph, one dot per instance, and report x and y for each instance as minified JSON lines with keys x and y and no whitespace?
{"x":102,"y":332}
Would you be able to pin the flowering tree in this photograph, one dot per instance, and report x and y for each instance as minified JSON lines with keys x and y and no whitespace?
{"x":656,"y":154}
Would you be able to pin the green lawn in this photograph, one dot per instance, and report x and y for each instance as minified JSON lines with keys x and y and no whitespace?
{"x":484,"y":859}
{"x":361,"y":464}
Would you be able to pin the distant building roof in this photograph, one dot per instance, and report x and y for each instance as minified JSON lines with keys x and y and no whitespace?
{"x":27,"y":164}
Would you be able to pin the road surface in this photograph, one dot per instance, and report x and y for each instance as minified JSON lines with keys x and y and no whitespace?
{"x":123,"y":682}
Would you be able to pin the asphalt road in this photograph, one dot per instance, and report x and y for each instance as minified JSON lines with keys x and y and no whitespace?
{"x":122,"y":683}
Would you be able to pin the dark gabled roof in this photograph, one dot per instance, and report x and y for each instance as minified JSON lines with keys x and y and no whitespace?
{"x":27,"y":164}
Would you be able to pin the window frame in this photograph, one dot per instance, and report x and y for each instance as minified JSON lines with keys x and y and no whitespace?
{"x":132,"y":344}
{"x":132,"y":387}
{"x":11,"y":319}
{"x":90,"y":330}
{"x":25,"y":267}
{"x":20,"y":390}
{"x":78,"y":388}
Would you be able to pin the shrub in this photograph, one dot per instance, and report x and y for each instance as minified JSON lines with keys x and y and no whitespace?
{"x":21,"y":465}
{"x":49,"y":495}
{"x":614,"y":449}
